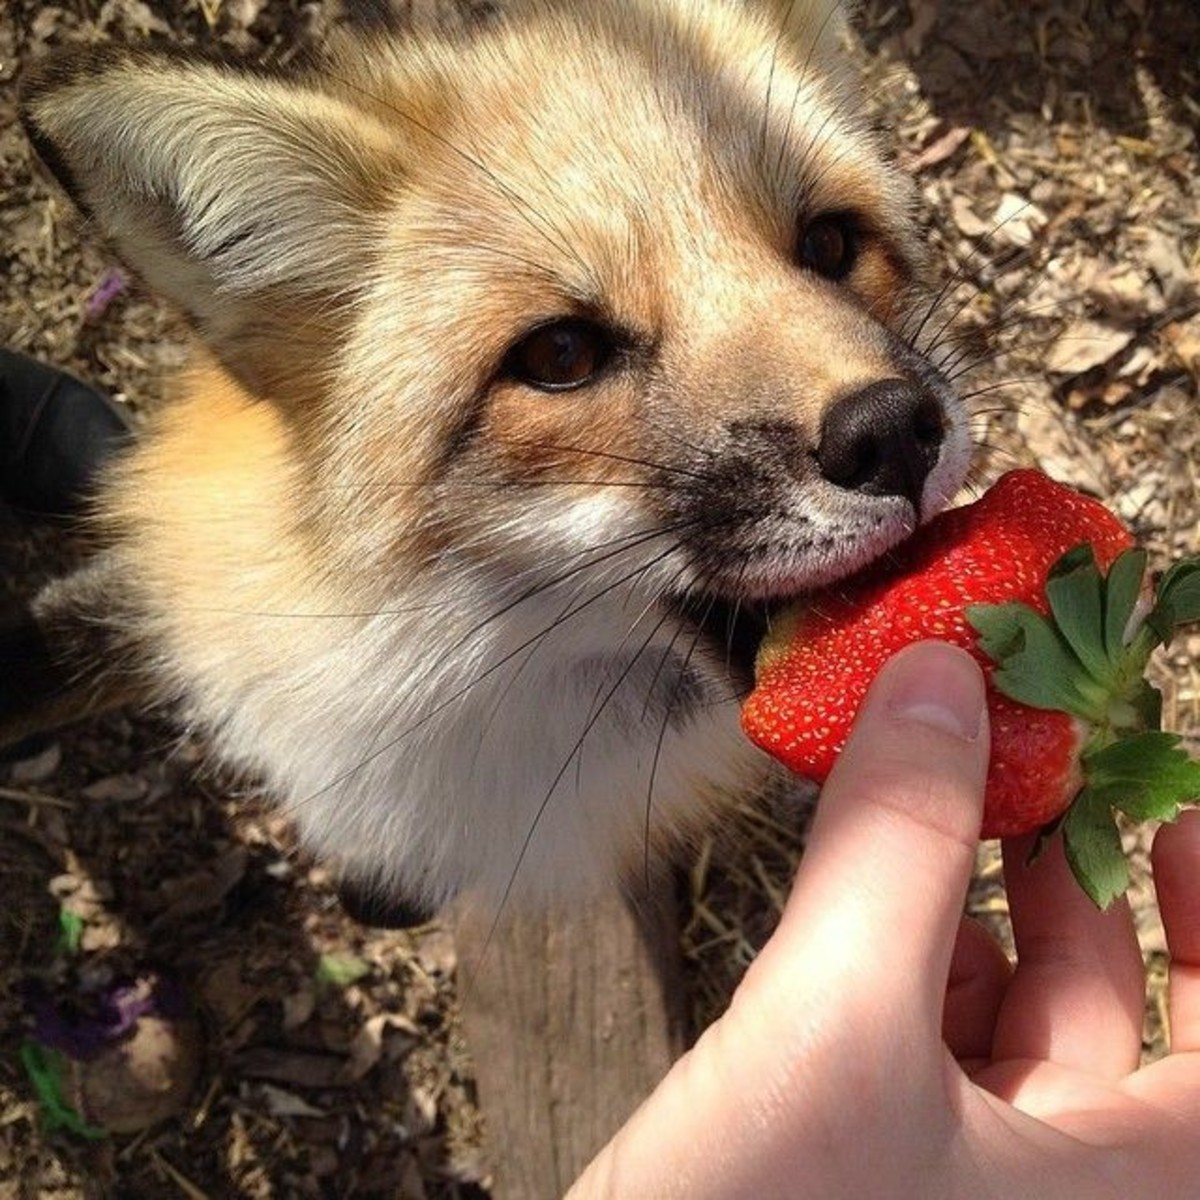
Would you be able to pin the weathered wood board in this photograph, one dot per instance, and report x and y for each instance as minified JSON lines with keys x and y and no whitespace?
{"x":572,"y":1018}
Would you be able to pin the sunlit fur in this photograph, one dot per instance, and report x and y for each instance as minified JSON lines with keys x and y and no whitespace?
{"x":423,"y":601}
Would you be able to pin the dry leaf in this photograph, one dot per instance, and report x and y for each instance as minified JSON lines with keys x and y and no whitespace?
{"x":131,"y":16}
{"x":1122,"y":292}
{"x":367,"y":1047}
{"x":1084,"y":345}
{"x":297,"y":1067}
{"x":1176,"y":279}
{"x":1184,"y":340}
{"x":38,"y":768}
{"x":1016,"y":220}
{"x":298,"y":1007}
{"x":203,"y":890}
{"x":225,"y":993}
{"x":117,"y":789}
{"x":142,"y":1080}
{"x":966,"y":218}
{"x":940,"y":149}
{"x":281,"y":1103}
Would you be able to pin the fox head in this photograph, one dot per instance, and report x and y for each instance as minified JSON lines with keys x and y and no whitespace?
{"x":540,"y":360}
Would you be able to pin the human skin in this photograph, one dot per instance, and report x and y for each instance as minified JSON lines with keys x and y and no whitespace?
{"x":882,"y":1047}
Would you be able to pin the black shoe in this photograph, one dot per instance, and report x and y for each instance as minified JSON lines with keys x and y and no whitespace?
{"x":55,"y":433}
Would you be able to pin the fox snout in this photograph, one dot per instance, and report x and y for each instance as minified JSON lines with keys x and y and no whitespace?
{"x":806,"y":483}
{"x":883,"y":440}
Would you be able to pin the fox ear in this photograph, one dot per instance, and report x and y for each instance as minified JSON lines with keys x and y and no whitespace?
{"x":813,"y":27}
{"x":226,"y":190}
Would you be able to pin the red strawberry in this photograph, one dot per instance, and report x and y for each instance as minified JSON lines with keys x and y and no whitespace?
{"x":1016,"y":579}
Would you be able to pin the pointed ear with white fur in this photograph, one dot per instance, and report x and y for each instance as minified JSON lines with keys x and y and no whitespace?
{"x":234,"y":194}
{"x":813,"y":27}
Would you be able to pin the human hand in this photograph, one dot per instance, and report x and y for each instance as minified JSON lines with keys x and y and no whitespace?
{"x":881,"y":1047}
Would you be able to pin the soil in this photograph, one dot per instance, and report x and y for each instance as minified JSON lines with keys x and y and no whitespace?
{"x":1055,"y":146}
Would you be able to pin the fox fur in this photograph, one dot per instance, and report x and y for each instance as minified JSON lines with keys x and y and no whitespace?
{"x":516,"y":351}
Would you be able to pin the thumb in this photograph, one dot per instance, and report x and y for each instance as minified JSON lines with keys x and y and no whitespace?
{"x":879,"y":894}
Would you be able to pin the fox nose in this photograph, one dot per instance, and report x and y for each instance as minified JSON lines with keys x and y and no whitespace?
{"x":883,"y":440}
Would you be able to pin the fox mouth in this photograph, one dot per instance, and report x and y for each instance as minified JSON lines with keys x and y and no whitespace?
{"x":749,"y":581}
{"x":731,"y":614}
{"x":730,"y":624}
{"x":729,"y":631}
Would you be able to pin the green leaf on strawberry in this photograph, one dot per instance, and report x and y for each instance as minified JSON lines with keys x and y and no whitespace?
{"x":1092,"y":843}
{"x":1075,"y":592}
{"x":1178,"y":600}
{"x":1090,"y":659}
{"x":1034,"y":662}
{"x":1149,"y":776}
{"x":1124,"y":588}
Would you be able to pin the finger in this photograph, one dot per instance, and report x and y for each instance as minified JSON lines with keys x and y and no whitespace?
{"x":879,"y":894}
{"x":979,"y":975}
{"x":1077,"y":995}
{"x":1176,"y":861}
{"x":870,"y":922}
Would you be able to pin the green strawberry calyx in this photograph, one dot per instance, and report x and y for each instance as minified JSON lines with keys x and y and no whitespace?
{"x":1088,"y":658}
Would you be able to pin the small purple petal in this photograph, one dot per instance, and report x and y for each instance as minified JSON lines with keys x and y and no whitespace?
{"x":107,"y":290}
{"x":123,"y":1007}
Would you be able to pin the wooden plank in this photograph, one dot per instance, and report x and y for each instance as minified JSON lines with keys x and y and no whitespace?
{"x":571,"y":1019}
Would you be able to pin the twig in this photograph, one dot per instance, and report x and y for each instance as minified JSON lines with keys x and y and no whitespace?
{"x":36,"y":798}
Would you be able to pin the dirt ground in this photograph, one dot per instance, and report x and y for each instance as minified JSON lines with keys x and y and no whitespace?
{"x":1055,"y":145}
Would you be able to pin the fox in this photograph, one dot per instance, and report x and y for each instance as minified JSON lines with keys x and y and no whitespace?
{"x":537,"y":362}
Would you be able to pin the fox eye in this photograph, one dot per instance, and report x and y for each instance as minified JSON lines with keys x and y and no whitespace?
{"x":829,"y":246}
{"x":560,"y":355}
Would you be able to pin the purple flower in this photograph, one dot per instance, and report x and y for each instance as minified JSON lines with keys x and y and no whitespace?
{"x":112,"y":1013}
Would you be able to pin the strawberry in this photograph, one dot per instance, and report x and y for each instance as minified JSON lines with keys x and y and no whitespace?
{"x":1042,"y":585}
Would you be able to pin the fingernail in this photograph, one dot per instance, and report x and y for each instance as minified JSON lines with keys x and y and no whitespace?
{"x":937,"y":685}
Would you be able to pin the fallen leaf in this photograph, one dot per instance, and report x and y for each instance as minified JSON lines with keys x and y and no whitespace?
{"x":204,"y":890}
{"x":1016,"y":220}
{"x":117,"y":789}
{"x":1175,"y":277}
{"x":225,"y":993}
{"x":966,"y":218}
{"x":1084,"y":345}
{"x":298,"y":1007}
{"x":940,"y":149}
{"x":1123,"y":293}
{"x":145,"y":1079}
{"x":1184,"y":339}
{"x":297,"y":1067}
{"x":281,"y":1103}
{"x":133,"y":16}
{"x":38,"y":768}
{"x":367,"y":1047}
